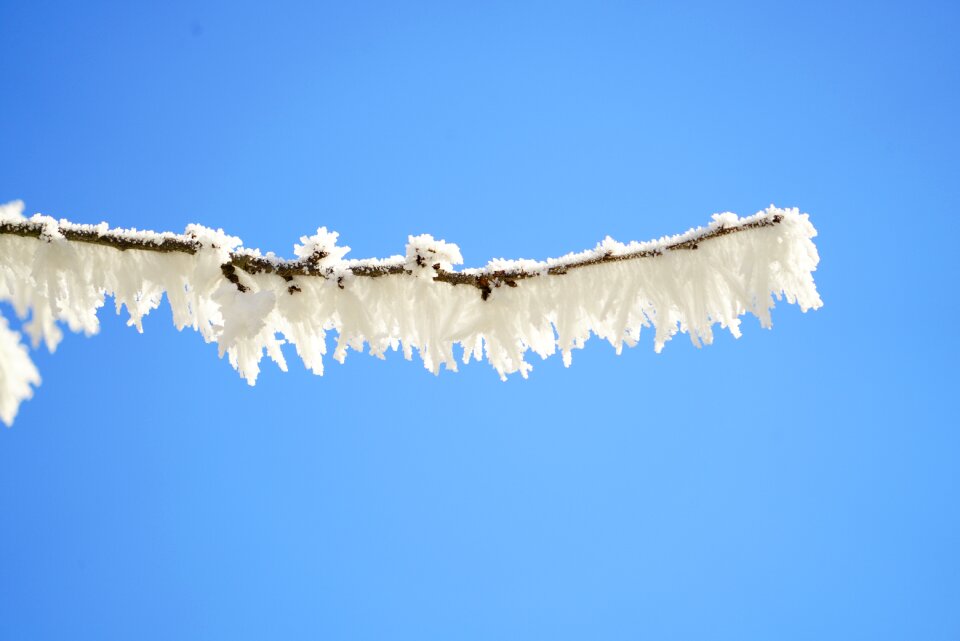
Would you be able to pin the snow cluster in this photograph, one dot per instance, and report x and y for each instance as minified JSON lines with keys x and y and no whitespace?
{"x":425,"y":256}
{"x":321,"y":248}
{"x":54,"y":281}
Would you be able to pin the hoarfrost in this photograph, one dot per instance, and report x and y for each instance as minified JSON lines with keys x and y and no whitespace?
{"x":17,"y":373}
{"x":425,"y":256}
{"x":53,"y":281}
{"x":321,"y":248}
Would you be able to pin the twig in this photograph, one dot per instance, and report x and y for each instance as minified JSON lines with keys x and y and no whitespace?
{"x":483,"y":279}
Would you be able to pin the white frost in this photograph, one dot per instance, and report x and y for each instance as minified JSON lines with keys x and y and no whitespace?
{"x":425,"y":255}
{"x":52,"y":282}
{"x":17,"y":373}
{"x":321,"y":248}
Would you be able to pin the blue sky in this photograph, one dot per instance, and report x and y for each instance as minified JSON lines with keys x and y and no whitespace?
{"x":794,"y":484}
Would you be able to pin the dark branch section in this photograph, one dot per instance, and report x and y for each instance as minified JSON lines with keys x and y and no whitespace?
{"x":484,"y":281}
{"x":29,"y":229}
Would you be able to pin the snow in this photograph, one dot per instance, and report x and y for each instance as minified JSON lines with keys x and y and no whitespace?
{"x":52,"y":282}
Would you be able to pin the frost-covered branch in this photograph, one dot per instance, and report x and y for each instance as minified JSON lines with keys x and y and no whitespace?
{"x":60,"y":272}
{"x":250,"y":261}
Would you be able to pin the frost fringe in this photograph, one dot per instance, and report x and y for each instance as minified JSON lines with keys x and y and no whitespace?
{"x":242,"y":299}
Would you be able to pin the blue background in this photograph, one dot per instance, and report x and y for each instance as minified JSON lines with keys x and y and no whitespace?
{"x":800,"y":483}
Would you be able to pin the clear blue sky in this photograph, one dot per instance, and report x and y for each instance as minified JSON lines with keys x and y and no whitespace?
{"x":800,"y":483}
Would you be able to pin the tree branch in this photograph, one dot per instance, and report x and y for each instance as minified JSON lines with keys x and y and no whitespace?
{"x":483,"y":279}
